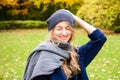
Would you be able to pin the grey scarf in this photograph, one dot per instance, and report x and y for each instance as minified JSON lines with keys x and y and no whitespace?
{"x":45,"y":59}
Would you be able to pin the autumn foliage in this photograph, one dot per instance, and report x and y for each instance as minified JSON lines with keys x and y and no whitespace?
{"x":34,"y":9}
{"x":100,"y":13}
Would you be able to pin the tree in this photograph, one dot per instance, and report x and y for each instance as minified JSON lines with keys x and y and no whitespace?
{"x":47,"y":7}
{"x":35,"y":9}
{"x":101,"y":13}
{"x":15,"y":9}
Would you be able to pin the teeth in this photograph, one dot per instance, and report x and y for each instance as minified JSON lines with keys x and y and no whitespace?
{"x":63,"y":37}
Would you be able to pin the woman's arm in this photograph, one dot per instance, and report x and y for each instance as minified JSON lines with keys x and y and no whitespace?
{"x":88,"y":51}
{"x":87,"y":27}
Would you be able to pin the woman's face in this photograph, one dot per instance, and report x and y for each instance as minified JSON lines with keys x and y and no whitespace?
{"x":62,"y":31}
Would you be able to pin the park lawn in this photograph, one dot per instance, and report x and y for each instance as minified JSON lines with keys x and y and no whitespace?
{"x":16,"y":45}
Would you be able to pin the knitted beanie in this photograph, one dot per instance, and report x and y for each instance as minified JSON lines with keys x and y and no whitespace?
{"x":58,"y":16}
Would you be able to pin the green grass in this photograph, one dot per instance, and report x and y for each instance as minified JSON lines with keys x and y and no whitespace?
{"x":15,"y":46}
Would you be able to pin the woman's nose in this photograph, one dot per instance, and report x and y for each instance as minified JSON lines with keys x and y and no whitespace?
{"x":64,"y":32}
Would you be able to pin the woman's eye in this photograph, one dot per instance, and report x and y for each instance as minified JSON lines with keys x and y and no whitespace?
{"x":67,"y":28}
{"x":58,"y":28}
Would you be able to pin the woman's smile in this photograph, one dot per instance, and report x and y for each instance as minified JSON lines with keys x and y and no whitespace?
{"x":63,"y":37}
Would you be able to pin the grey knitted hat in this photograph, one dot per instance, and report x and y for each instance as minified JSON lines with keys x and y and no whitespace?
{"x":58,"y":16}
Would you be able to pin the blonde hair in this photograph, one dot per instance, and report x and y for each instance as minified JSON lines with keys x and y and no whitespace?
{"x":72,"y":66}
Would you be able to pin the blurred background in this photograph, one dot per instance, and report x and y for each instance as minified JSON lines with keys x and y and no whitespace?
{"x":100,"y":13}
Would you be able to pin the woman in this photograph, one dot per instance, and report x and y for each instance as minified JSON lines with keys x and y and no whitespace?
{"x":57,"y":59}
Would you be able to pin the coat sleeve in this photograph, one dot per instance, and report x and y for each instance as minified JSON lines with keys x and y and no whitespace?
{"x":88,"y":51}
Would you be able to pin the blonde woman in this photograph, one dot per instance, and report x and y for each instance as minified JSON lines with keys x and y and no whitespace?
{"x":57,"y":58}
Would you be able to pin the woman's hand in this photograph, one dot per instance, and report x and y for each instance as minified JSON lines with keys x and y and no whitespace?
{"x":87,"y":27}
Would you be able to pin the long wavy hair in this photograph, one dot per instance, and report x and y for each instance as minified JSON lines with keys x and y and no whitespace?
{"x":69,"y":67}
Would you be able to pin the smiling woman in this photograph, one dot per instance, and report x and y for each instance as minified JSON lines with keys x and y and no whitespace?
{"x":57,"y":58}
{"x":62,"y":32}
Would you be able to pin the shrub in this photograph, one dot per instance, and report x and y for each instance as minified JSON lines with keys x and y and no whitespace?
{"x":117,"y":29}
{"x":28,"y":24}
